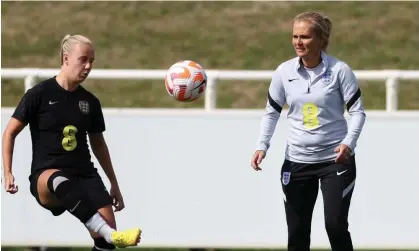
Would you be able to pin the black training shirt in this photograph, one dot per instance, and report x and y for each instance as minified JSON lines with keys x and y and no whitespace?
{"x":59,"y":121}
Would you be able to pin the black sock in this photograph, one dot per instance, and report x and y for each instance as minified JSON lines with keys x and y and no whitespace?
{"x":101,"y":244}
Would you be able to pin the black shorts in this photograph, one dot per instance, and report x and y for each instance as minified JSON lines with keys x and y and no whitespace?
{"x":93,"y":186}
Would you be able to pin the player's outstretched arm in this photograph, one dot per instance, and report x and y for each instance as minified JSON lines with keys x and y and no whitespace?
{"x":14,"y":127}
{"x":101,"y":152}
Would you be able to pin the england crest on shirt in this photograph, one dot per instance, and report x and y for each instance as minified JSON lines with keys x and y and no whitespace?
{"x":327,"y":77}
{"x":286,"y":176}
{"x":84,"y":107}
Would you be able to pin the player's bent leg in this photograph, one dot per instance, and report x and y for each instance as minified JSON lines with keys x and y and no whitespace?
{"x":70,"y":194}
{"x":45,"y":197}
{"x":102,"y":201}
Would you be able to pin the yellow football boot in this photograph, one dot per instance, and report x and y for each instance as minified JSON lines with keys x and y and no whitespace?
{"x":126,"y":238}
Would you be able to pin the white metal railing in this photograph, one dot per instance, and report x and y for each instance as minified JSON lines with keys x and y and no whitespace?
{"x":30,"y":75}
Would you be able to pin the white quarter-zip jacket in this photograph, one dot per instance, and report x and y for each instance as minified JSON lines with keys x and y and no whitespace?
{"x":316,"y":99}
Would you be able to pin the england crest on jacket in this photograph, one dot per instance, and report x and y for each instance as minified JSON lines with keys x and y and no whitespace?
{"x":286,"y":176}
{"x":327,"y":77}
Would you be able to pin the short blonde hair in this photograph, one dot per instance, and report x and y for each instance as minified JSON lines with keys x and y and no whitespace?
{"x":322,"y":25}
{"x":68,"y":42}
